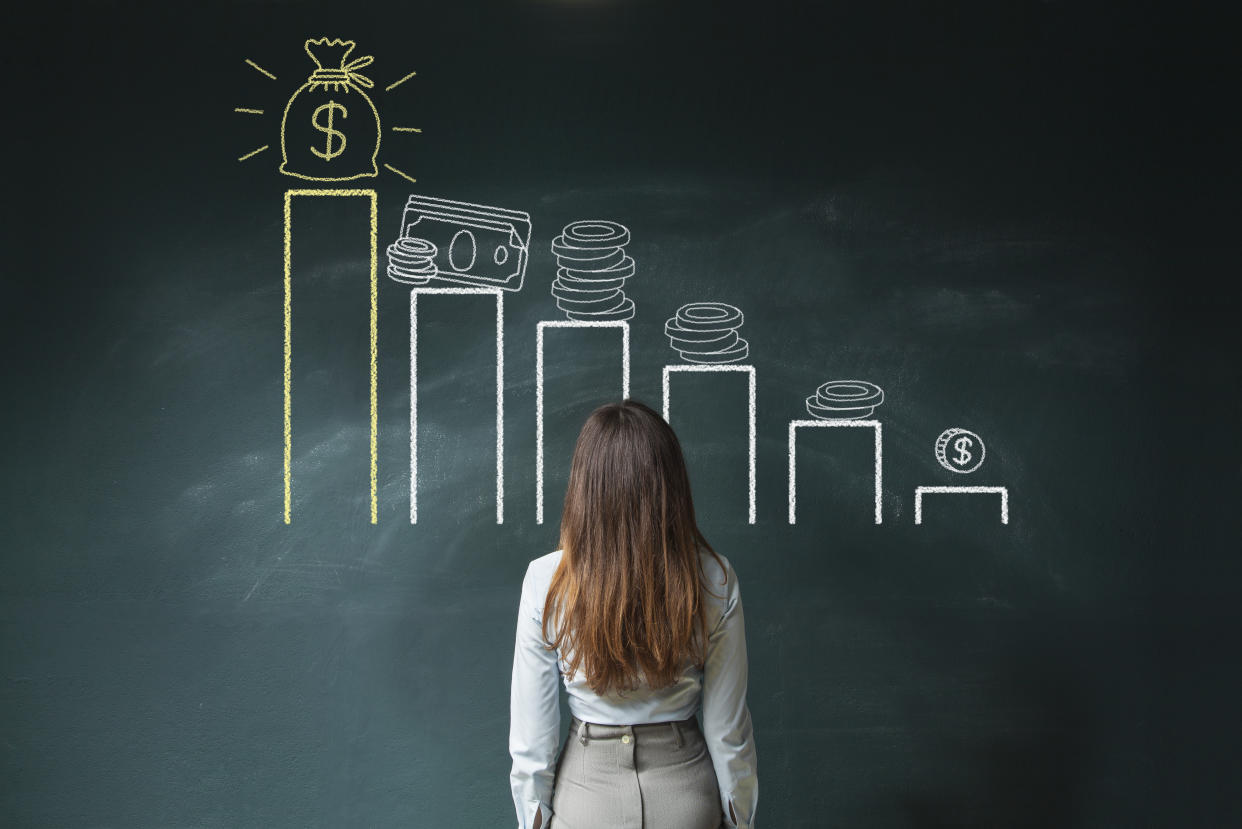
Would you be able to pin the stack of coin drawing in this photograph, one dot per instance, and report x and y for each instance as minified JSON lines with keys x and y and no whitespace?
{"x":706,"y":332}
{"x":845,"y":400}
{"x":412,"y":261}
{"x":592,"y":267}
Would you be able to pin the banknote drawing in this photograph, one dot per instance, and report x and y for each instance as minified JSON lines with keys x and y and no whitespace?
{"x":457,"y":242}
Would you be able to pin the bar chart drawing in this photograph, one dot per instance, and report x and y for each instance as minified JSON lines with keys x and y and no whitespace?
{"x":372,"y":198}
{"x":749,"y":371}
{"x":540,"y":327}
{"x":500,"y":385}
{"x":919,"y":492}
{"x":794,"y":425}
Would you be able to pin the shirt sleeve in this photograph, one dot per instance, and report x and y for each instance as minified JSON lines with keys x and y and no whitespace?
{"x":726,"y":717}
{"x":534,"y":713}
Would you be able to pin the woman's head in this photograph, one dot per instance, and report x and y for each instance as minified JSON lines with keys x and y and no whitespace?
{"x":626,"y":594}
{"x":628,"y":479}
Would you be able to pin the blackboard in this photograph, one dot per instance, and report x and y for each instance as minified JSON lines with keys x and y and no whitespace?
{"x":1015,"y":219}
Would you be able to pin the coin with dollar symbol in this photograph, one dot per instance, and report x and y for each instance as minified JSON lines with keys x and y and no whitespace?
{"x":960,"y":450}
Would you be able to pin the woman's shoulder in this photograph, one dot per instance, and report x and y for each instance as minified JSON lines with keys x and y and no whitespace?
{"x":719,"y":577}
{"x":539,"y":571}
{"x":717,"y":567}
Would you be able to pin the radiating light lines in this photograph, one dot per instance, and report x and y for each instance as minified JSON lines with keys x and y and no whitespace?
{"x":260,"y":69}
{"x":395,"y":84}
{"x":403,"y":175}
{"x":253,"y":153}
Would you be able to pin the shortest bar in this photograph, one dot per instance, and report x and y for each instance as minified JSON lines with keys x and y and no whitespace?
{"x":963,"y":490}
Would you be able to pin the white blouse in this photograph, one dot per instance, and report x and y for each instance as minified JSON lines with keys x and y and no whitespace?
{"x":720,"y":689}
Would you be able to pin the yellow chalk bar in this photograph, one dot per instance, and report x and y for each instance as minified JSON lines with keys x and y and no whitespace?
{"x":288,"y":374}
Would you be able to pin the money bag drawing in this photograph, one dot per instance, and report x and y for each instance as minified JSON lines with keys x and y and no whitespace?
{"x":331,"y":129}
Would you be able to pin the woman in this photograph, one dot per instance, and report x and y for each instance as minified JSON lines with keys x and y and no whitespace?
{"x":642,"y":621}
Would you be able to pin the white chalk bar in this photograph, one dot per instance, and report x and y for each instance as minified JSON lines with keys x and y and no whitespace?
{"x":794,"y":425}
{"x":500,"y":386}
{"x":625,"y":386}
{"x":750,"y":414}
{"x":1003,"y":492}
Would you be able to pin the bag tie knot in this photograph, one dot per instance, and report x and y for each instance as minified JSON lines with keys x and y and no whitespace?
{"x":348,"y":73}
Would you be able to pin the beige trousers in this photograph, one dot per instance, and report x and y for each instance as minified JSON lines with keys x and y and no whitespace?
{"x":650,"y":776}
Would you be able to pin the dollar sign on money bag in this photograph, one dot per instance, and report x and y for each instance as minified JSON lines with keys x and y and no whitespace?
{"x":329,"y":107}
{"x":962,"y":445}
{"x":331,"y":129}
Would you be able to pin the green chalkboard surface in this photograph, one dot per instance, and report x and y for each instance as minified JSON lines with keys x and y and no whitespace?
{"x":229,"y":601}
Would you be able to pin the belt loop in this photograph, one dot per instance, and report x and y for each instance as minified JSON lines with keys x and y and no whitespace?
{"x":582,"y":732}
{"x":677,"y":734}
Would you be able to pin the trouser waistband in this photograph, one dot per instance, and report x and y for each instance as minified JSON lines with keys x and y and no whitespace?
{"x":597,"y":731}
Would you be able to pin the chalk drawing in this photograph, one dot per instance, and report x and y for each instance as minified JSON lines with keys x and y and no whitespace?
{"x":412,"y":261}
{"x":374,"y":350}
{"x":794,"y":425}
{"x":845,"y":400}
{"x":253,"y":153}
{"x":592,"y":267}
{"x":625,"y":386}
{"x":460,"y":243}
{"x":330,"y":127}
{"x":750,"y":414}
{"x":398,"y":83}
{"x":961,"y":490}
{"x":403,"y":175}
{"x":260,"y":69}
{"x":333,"y":108}
{"x":706,"y":333}
{"x":960,"y":450}
{"x":500,"y":385}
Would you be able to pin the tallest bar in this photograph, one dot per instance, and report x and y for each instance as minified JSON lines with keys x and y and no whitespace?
{"x":372,"y":254}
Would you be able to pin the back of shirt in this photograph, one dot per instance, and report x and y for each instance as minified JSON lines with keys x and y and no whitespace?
{"x":719,"y":689}
{"x":643,"y":704}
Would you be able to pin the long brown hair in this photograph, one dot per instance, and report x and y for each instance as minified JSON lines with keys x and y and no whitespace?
{"x":626,"y":594}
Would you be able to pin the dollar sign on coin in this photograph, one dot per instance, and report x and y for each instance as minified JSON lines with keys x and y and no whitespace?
{"x":965,"y":445}
{"x":329,"y":152}
{"x":962,"y":445}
